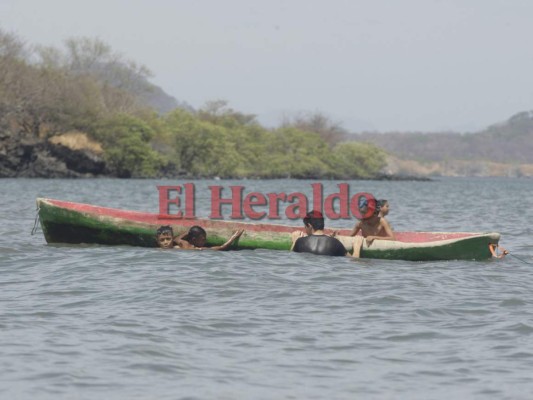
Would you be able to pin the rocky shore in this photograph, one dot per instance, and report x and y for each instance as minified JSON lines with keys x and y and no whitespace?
{"x":30,"y":157}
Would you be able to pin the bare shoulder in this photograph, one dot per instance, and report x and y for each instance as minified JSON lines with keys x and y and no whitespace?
{"x":384,"y":222}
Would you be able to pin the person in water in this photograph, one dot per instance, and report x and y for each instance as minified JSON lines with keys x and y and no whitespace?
{"x":196,"y":239}
{"x":372,"y":228}
{"x":165,"y":237}
{"x":383,"y":208}
{"x":316,"y":241}
{"x":497,"y":251}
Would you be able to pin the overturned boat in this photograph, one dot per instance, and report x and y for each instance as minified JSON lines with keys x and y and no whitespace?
{"x":76,"y":223}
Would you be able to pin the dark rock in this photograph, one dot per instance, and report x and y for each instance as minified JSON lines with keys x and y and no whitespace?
{"x":80,"y":161}
{"x":30,"y":157}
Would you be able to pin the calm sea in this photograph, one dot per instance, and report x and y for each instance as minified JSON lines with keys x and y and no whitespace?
{"x":87,"y":322}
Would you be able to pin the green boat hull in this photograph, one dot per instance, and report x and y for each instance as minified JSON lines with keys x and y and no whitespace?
{"x":76,"y":223}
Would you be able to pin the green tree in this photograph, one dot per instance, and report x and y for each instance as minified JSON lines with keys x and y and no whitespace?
{"x":127,"y":149}
{"x":219,"y":113}
{"x":202,"y":148}
{"x":358,"y":160}
{"x":293,"y":153}
{"x":330,"y":131}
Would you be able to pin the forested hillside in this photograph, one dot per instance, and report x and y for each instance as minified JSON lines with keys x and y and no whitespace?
{"x":84,"y":110}
{"x":507,"y":142}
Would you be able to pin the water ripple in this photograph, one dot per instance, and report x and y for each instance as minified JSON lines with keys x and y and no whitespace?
{"x":120,"y":322}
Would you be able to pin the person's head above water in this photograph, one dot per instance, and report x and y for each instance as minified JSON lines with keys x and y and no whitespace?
{"x":165,"y":237}
{"x":383,"y":206}
{"x":164,"y":229}
{"x":314,"y":220}
{"x":196,"y":236}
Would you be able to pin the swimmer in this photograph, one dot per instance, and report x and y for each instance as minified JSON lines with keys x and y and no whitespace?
{"x":165,"y":237}
{"x":196,"y":239}
{"x":314,"y":240}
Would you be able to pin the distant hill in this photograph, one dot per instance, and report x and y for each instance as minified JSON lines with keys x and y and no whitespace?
{"x":509,"y":142}
{"x":161,"y":101}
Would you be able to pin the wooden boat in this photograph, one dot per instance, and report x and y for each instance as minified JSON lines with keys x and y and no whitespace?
{"x":67,"y":222}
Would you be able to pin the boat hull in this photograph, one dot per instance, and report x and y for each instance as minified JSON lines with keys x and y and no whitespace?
{"x":75,"y":223}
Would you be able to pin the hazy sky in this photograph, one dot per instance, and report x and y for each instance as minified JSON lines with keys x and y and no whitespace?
{"x":369,"y":64}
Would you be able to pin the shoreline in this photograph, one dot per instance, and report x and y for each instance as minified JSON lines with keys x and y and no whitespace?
{"x":31,"y":157}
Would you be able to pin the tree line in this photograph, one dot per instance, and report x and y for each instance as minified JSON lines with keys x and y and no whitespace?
{"x":87,"y":87}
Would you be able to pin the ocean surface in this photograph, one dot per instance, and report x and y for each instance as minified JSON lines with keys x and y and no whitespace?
{"x":87,"y":321}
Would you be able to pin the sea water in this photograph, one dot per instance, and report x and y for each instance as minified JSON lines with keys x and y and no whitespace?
{"x":89,"y":321}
